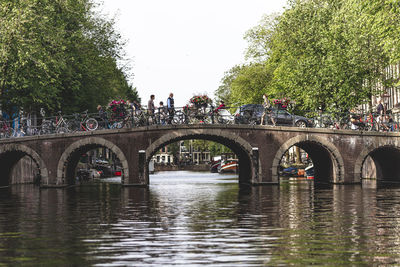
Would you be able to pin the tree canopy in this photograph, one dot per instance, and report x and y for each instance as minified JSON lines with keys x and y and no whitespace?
{"x":58,"y":55}
{"x":320,"y":53}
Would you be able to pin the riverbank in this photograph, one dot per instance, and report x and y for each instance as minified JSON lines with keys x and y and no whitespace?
{"x":199,"y":167}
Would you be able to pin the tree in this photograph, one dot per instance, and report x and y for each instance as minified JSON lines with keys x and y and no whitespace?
{"x":251,"y":83}
{"x":58,"y":55}
{"x":320,"y":57}
{"x":259,"y":38}
{"x":132,"y":94}
{"x":224,"y":90}
{"x":173,"y":148}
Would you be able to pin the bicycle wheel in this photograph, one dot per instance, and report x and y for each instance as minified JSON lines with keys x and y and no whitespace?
{"x":207,"y":120}
{"x":176,"y":119}
{"x":117,"y":125}
{"x":9,"y":132}
{"x":91,"y":124}
{"x":61,"y":130}
{"x":72,"y":126}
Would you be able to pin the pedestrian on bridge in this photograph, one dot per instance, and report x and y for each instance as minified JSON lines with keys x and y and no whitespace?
{"x":150,"y":105}
{"x":380,"y":109}
{"x":170,"y":107}
{"x":103,"y":116}
{"x":267,"y":110}
{"x":162,"y":113}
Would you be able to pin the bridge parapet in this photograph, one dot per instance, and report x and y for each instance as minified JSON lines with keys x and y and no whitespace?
{"x":338,"y":155}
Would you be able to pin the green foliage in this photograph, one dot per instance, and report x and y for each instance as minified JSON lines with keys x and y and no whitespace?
{"x":320,"y":53}
{"x":259,"y":38}
{"x":217,"y":149}
{"x":251,"y":83}
{"x":132,"y":94}
{"x":58,"y":55}
{"x":224,"y":90}
{"x":173,"y":148}
{"x":323,"y":58}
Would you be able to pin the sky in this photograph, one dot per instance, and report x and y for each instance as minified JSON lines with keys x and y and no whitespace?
{"x":184,"y":46}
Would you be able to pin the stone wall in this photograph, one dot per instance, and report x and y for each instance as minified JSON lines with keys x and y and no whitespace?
{"x":24,"y":171}
{"x":199,"y":167}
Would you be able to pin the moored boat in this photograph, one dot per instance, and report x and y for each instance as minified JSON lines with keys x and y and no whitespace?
{"x":215,"y":165}
{"x":230,"y":165}
{"x":310,"y":172}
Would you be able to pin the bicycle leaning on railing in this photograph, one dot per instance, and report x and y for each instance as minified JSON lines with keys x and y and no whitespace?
{"x":82,"y":122}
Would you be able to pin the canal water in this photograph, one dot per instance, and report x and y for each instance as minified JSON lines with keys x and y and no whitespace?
{"x":191,"y":219}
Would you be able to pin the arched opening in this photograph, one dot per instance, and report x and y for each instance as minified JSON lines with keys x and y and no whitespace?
{"x":21,"y":165}
{"x":91,"y":158}
{"x":243,"y":155}
{"x":296,"y":163}
{"x":315,"y":152}
{"x":91,"y":162}
{"x":381,"y":164}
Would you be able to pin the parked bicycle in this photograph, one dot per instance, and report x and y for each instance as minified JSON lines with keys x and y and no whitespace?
{"x":6,"y":131}
{"x":82,"y":122}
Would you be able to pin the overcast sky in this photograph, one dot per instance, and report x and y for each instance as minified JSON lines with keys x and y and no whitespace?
{"x":185,"y":46}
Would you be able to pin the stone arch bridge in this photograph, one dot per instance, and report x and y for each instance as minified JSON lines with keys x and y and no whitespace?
{"x":338,"y":155}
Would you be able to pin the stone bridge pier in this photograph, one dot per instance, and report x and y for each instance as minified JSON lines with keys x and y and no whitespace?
{"x":339,"y":156}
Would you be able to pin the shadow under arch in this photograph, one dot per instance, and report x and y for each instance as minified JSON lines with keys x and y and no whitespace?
{"x":70,"y":158}
{"x":327,"y":160}
{"x":384,"y":160}
{"x":242,"y":149}
{"x":10,"y":154}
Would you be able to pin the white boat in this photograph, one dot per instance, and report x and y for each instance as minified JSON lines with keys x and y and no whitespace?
{"x":230,"y":165}
{"x":310,"y":172}
{"x":215,"y":164}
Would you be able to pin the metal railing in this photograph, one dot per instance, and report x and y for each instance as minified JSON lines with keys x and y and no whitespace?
{"x":248,"y":114}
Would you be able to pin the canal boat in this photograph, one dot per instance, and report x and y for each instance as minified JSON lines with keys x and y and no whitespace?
{"x":215,"y":164}
{"x":310,"y":172}
{"x":230,"y":165}
{"x":293,"y":172}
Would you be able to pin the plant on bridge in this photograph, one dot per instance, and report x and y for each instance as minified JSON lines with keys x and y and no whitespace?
{"x":118,"y":109}
{"x":281,"y":103}
{"x":200,"y":100}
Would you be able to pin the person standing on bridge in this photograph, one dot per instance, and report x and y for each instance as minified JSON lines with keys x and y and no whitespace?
{"x":170,"y":107}
{"x":267,"y":110}
{"x":162,"y":113}
{"x":151,"y":109}
{"x":103,"y":116}
{"x":150,"y":105}
{"x":380,"y":110}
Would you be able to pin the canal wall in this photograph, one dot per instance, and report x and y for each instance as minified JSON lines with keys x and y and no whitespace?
{"x":24,"y":171}
{"x":199,"y":167}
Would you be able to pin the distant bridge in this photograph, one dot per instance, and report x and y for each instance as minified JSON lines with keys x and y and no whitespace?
{"x":338,"y":155}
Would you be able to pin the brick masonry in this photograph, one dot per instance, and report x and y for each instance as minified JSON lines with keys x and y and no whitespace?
{"x":338,"y":155}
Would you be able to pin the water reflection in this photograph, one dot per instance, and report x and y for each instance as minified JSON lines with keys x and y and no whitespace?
{"x":200,"y":218}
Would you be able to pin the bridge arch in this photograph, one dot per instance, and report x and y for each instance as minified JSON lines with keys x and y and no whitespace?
{"x":10,"y":154}
{"x":327,"y":160}
{"x":70,"y":157}
{"x":383,"y":159}
{"x":248,"y":170}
